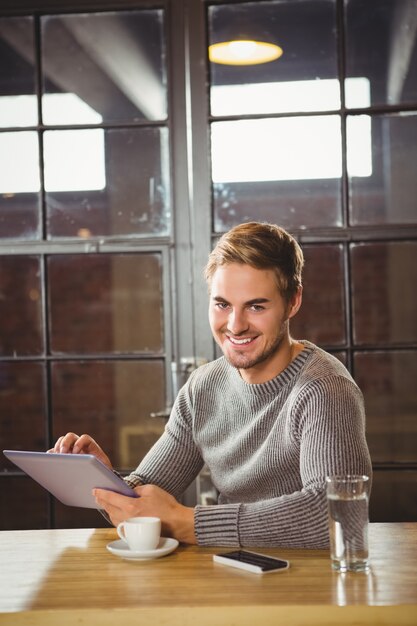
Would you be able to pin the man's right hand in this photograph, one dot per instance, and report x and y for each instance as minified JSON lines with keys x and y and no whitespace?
{"x":84,"y":444}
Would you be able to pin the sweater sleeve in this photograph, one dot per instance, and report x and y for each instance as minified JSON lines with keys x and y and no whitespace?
{"x":174,"y":461}
{"x":328,"y":423}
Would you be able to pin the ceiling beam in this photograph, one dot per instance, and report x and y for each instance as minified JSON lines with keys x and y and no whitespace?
{"x":123,"y":59}
{"x":402,"y":42}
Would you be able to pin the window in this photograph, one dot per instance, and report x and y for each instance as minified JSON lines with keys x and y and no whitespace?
{"x":125,"y":153}
{"x":322,"y":140}
{"x":84,"y":171}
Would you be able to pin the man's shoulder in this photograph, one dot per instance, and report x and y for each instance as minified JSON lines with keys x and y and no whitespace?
{"x":324,"y":377}
{"x":320,"y":364}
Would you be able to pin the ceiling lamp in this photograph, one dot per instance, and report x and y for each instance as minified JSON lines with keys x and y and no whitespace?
{"x":244,"y":52}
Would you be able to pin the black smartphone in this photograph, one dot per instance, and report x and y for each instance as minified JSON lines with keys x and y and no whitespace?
{"x":252,"y":561}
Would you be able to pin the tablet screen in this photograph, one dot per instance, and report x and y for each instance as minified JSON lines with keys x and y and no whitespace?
{"x":69,"y":477}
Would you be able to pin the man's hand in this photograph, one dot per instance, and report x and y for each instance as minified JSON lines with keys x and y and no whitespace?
{"x":84,"y":444}
{"x":177,"y":520}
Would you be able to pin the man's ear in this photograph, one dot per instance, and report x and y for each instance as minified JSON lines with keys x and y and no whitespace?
{"x":295,"y":303}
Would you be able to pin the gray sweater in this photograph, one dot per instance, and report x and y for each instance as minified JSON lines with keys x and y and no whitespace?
{"x":268,"y":447}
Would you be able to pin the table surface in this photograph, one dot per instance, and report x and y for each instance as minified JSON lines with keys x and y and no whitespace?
{"x":68,"y":577}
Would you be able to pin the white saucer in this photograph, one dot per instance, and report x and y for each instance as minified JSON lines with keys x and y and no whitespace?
{"x":120,"y":548}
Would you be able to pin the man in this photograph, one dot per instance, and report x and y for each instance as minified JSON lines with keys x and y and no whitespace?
{"x":270,"y":419}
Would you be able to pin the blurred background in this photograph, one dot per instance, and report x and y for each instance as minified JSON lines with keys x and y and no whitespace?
{"x":128,"y":145}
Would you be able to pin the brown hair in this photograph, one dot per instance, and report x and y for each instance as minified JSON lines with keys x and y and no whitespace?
{"x":262,"y":246}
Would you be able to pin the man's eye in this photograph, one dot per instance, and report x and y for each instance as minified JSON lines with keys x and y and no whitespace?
{"x":257,"y":307}
{"x":221,"y":305}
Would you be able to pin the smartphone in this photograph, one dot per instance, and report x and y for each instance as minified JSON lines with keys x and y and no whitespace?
{"x":252,"y":561}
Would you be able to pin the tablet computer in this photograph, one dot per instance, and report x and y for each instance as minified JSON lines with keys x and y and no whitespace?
{"x":69,"y":477}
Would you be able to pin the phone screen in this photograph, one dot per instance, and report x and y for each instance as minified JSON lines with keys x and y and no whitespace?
{"x":265,"y":563}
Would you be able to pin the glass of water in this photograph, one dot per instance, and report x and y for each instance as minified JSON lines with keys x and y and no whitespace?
{"x":348,"y":499}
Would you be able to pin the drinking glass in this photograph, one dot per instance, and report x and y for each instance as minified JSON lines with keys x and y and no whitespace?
{"x":348,"y":499}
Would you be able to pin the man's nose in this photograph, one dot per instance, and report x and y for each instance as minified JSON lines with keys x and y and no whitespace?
{"x":237,"y":322}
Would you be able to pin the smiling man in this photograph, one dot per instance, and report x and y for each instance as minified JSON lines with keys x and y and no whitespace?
{"x":270,"y":418}
{"x":253,"y":334}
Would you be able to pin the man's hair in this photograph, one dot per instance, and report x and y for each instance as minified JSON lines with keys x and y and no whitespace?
{"x":262,"y":246}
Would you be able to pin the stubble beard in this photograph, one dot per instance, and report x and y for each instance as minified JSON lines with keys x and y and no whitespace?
{"x":243,"y":362}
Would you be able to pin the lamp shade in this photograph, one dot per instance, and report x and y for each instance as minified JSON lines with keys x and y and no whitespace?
{"x":244,"y":52}
{"x":243,"y":39}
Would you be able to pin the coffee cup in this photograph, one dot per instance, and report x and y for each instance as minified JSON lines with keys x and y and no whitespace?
{"x":140,"y":533}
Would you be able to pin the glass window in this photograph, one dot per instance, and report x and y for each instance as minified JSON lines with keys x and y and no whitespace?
{"x":22,"y":408}
{"x":23,"y":504}
{"x":384,"y":303}
{"x":302,"y":72}
{"x":105,"y":303}
{"x":321,"y":318}
{"x":19,"y":152}
{"x":393,"y":496}
{"x":18,"y":105}
{"x":381,"y":48}
{"x":19,"y":185}
{"x":382,"y":173}
{"x":107,"y":182}
{"x":20,"y":290}
{"x":109,"y":66}
{"x":112,"y":401}
{"x":288,"y":169}
{"x":387,"y":380}
{"x":285,"y":170}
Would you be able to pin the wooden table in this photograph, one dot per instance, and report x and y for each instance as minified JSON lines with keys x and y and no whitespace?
{"x":67,"y":577}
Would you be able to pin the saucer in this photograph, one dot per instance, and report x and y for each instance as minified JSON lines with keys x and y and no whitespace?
{"x":120,"y":548}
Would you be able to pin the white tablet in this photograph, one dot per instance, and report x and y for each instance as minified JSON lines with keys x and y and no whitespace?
{"x":69,"y":477}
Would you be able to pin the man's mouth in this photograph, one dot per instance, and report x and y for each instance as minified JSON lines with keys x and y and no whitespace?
{"x":240,"y":342}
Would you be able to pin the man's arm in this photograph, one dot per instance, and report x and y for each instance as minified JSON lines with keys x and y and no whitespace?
{"x":174,"y":460}
{"x":329,"y":425}
{"x":162,"y":477}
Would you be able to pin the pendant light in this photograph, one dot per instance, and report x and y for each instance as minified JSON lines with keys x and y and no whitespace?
{"x":244,"y":51}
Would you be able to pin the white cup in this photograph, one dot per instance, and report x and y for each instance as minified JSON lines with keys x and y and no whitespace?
{"x":140,"y":533}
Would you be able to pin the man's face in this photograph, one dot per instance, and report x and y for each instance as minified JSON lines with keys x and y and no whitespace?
{"x":248,"y":319}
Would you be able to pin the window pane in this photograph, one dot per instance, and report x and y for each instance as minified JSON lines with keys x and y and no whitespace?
{"x":302,"y":78}
{"x":108,"y":303}
{"x":107,"y":182}
{"x":20,"y":290}
{"x":107,"y":67}
{"x":285,"y":170}
{"x":382,"y":172}
{"x":380,"y":44}
{"x":112,"y":401}
{"x":387,"y":380}
{"x":23,"y":504}
{"x":384,"y":302}
{"x":22,"y":408}
{"x":321,"y":318}
{"x":19,"y":154}
{"x":18,"y":105}
{"x":19,"y":185}
{"x":393,"y":497}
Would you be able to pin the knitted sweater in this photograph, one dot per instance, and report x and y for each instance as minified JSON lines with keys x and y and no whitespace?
{"x":268,"y":446}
